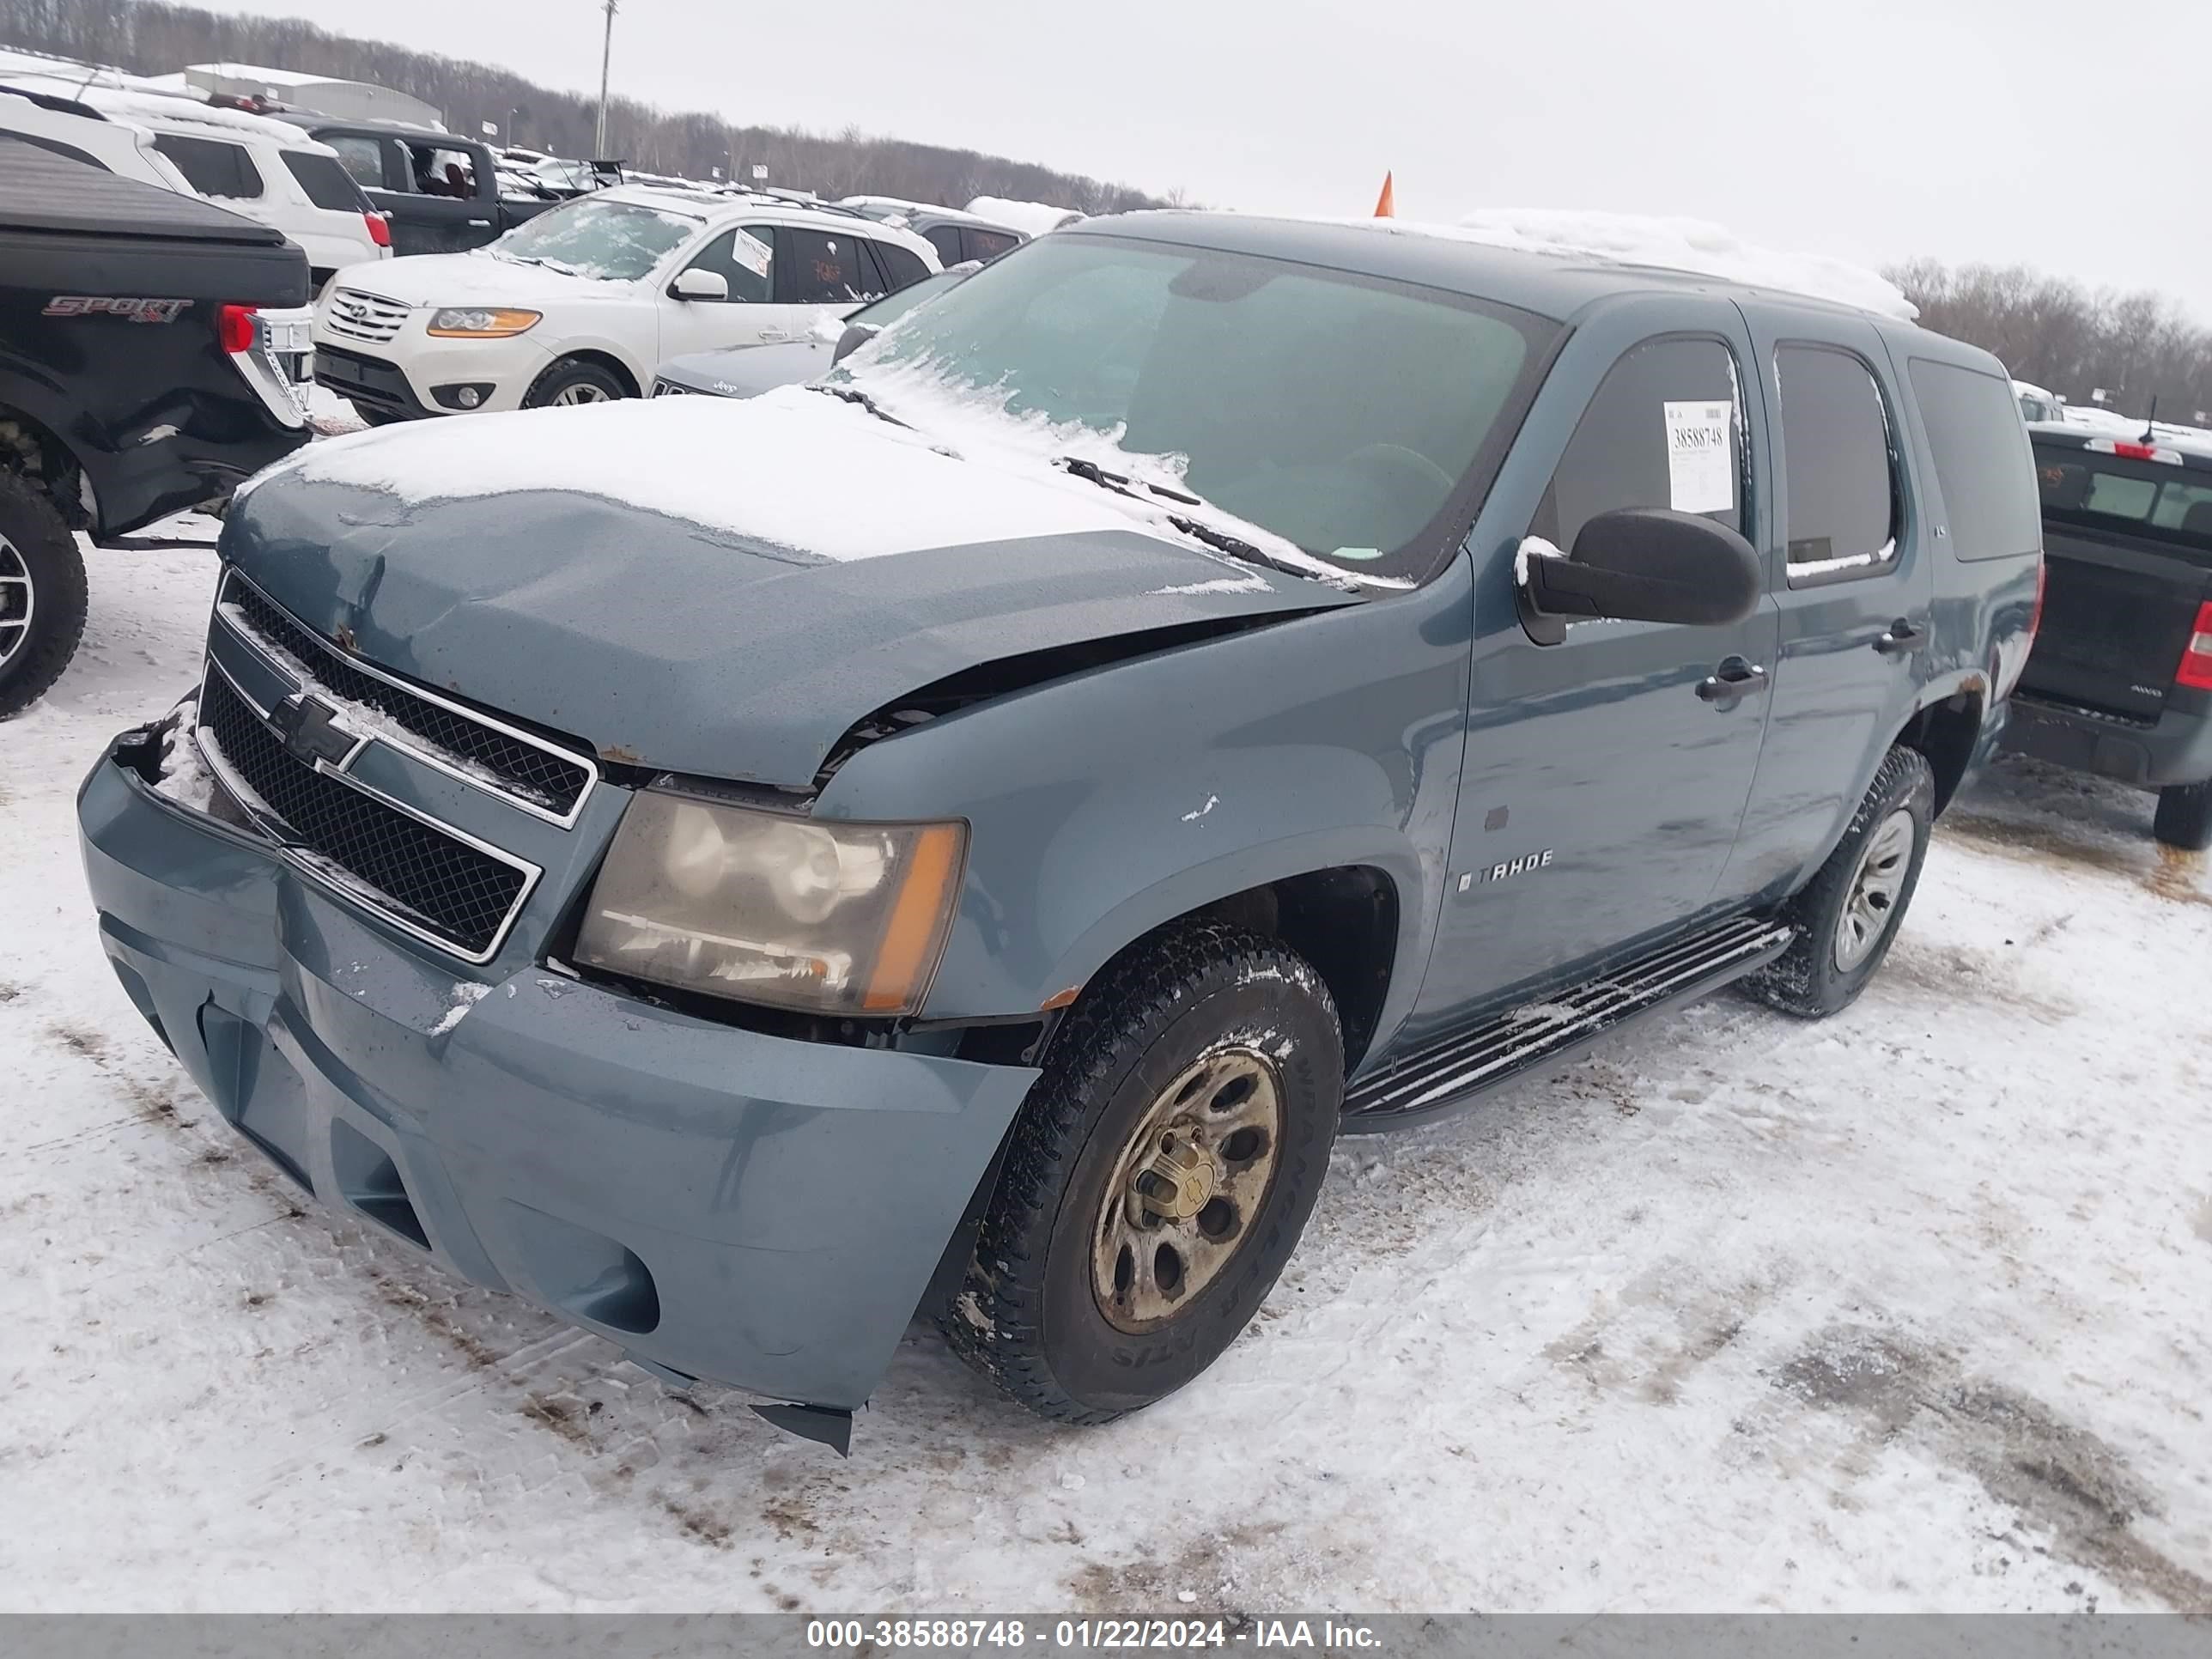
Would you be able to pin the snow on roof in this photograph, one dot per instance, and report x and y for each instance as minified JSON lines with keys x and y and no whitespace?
{"x":1672,"y":244}
{"x":275,"y":77}
{"x":1030,"y":218}
{"x":172,"y":109}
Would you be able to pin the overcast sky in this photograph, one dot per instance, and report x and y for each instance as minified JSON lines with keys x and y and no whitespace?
{"x":1991,"y":130}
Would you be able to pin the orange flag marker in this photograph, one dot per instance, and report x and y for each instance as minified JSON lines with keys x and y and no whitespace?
{"x":1386,"y":204}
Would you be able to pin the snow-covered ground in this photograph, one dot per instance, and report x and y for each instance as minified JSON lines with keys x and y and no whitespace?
{"x":1904,"y":1311}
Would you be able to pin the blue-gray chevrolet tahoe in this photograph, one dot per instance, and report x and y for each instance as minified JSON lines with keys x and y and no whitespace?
{"x":742,"y":909}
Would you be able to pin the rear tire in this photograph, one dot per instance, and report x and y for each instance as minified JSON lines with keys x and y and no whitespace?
{"x":1847,"y":916}
{"x":1158,"y":1177}
{"x":569,"y":382}
{"x":2184,"y":816}
{"x":42,"y":594}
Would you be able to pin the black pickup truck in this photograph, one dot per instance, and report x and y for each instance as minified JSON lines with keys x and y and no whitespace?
{"x":440,"y":190}
{"x":2121,"y":681}
{"x":153,"y":355}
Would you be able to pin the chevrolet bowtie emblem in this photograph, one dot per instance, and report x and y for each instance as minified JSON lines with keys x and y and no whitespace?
{"x":310,"y":730}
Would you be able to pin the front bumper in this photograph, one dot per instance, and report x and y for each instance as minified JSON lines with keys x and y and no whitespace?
{"x":402,"y":382}
{"x":722,"y":1204}
{"x":2176,"y":749}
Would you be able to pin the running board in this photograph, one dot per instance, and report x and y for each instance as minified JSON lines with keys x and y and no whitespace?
{"x":1445,"y":1074}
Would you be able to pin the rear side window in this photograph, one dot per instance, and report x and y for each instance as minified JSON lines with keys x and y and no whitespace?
{"x":1664,"y":429}
{"x":945,"y":238}
{"x":901,"y":266}
{"x":362,"y":158}
{"x":986,"y":244}
{"x":1981,"y":460}
{"x":1837,"y":467}
{"x":814,"y":268}
{"x":327,"y":184}
{"x":212,"y":166}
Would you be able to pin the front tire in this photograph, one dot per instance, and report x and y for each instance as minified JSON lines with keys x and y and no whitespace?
{"x":372,"y":416}
{"x":569,"y":382}
{"x":42,"y":594}
{"x":1847,"y":916}
{"x":1158,"y":1178}
{"x":2184,"y":816}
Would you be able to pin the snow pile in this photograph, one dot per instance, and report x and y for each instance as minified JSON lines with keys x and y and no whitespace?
{"x":186,"y":777}
{"x":1673,"y":244}
{"x":1030,"y":218}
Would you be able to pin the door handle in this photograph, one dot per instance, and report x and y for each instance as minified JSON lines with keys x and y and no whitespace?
{"x":480,"y":221}
{"x":1732,"y":681}
{"x":1901,"y":639}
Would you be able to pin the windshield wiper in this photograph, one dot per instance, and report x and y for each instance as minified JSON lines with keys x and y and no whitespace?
{"x":853,"y":394}
{"x":1237,"y":548}
{"x":1221,"y":540}
{"x":1076,"y":467}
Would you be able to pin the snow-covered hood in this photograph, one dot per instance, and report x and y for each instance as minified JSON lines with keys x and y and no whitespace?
{"x":708,"y":585}
{"x":475,"y":279}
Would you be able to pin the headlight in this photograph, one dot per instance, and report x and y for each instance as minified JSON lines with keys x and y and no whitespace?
{"x":832,"y":917}
{"x":481,"y":322}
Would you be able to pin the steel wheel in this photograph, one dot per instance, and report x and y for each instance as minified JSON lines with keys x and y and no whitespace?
{"x":582,"y":392}
{"x":18,"y":600}
{"x":1875,"y":884}
{"x":1186,"y":1187}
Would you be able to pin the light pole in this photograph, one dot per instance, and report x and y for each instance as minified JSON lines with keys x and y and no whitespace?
{"x":607,"y":57}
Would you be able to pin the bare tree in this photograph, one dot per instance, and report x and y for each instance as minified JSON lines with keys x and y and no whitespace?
{"x":152,"y":37}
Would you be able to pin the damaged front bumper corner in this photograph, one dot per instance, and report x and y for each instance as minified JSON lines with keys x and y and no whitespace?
{"x":723,"y":1203}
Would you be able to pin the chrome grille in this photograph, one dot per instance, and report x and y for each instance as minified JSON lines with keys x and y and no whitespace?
{"x":454,"y":892}
{"x":670,"y":389}
{"x":548,"y":782}
{"x":353,"y":315}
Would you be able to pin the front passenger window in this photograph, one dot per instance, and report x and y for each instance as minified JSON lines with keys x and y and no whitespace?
{"x":1663,"y":430}
{"x":743,"y":258}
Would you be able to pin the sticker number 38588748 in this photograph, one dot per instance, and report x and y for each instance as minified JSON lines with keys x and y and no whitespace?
{"x":1700,"y":472}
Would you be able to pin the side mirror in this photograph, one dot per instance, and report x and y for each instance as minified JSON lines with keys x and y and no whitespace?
{"x":1650,"y":564}
{"x":697,"y":284}
{"x":855,"y":336}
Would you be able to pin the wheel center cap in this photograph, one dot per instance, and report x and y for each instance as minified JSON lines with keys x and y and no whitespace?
{"x":1177,"y":1181}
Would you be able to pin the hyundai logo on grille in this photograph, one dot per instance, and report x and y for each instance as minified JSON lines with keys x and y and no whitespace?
{"x":311,"y":733}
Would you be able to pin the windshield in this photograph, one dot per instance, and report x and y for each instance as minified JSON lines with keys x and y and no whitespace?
{"x":617,"y":241}
{"x":1342,"y":413}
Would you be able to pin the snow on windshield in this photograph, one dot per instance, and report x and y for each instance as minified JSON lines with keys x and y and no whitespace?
{"x":611,"y":242}
{"x":1675,"y":244}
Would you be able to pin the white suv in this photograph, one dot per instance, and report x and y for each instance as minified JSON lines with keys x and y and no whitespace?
{"x":266,"y":170}
{"x":581,"y":303}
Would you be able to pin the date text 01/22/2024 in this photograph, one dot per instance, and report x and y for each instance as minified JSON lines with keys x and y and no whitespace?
{"x":1088,"y":1634}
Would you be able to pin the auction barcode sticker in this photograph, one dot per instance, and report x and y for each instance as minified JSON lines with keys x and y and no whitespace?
{"x":1700,"y":475}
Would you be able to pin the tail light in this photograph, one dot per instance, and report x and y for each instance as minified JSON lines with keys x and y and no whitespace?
{"x":2196,"y":668}
{"x":234,"y":326}
{"x":380,"y":231}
